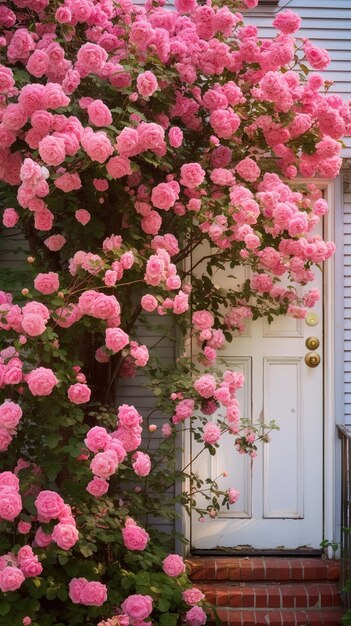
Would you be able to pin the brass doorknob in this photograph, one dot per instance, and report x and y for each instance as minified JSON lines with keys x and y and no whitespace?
{"x":312,"y":343}
{"x":312,"y":359}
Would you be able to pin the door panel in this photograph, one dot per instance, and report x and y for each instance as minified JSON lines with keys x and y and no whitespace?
{"x":281,"y":501}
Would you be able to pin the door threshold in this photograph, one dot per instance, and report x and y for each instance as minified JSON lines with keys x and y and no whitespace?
{"x":249,"y":551}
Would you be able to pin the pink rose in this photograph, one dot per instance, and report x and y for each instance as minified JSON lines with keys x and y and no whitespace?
{"x":38,"y":63}
{"x":6,"y":75}
{"x":5,"y":439}
{"x":43,"y":220}
{"x":38,"y":308}
{"x":79,"y":393}
{"x":31,"y":97}
{"x":47,"y":283}
{"x":196,"y":616}
{"x":138,"y":607}
{"x":97,"y":439}
{"x":166,"y":430}
{"x":149,"y":303}
{"x":65,"y":535}
{"x":41,"y":381}
{"x":41,"y":538}
{"x":97,"y":487}
{"x":233,"y":495}
{"x":287,"y":22}
{"x":127,"y":142}
{"x":11,"y":578}
{"x":10,"y":503}
{"x":49,"y":504}
{"x":202,"y":319}
{"x":31,"y":567}
{"x":10,"y":218}
{"x":225,"y":123}
{"x":76,"y":587}
{"x":212,"y":433}
{"x":63,"y":15}
{"x":127,"y":260}
{"x":24,"y":527}
{"x":175,"y":136}
{"x":128,"y":416}
{"x":68,"y":182}
{"x":173,"y":565}
{"x":105,"y":307}
{"x":9,"y":479}
{"x":100,"y":184}
{"x":104,"y":464}
{"x":118,"y":448}
{"x":93,"y":594}
{"x":164,"y":196}
{"x":14,"y":117}
{"x":151,"y":223}
{"x":248,"y":169}
{"x":119,"y":166}
{"x":10,"y":415}
{"x":318,"y":58}
{"x":205,"y":385}
{"x":91,"y":58}
{"x":154,"y":270}
{"x":151,"y":136}
{"x":130,"y":438}
{"x":55,"y":242}
{"x":192,"y":175}
{"x":33,"y":324}
{"x":147,"y":84}
{"x":134,"y":537}
{"x":193,"y":596}
{"x":116,"y":339}
{"x":52,"y":150}
{"x":141,"y":464}
{"x":99,"y":113}
{"x":139,"y":353}
{"x":53,"y":97}
{"x":97,"y":145}
{"x":222,"y":176}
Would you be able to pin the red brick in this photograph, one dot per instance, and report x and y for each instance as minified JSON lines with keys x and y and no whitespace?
{"x":288,"y":596}
{"x":261,"y":597}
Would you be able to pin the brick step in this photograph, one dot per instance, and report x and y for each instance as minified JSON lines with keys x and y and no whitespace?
{"x":272,"y":596}
{"x":274,"y":569}
{"x":287,"y":617}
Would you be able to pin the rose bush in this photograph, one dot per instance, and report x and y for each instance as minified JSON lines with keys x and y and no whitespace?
{"x":132,"y":139}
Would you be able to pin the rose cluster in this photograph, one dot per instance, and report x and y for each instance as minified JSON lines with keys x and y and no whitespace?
{"x":15,"y":569}
{"x":50,"y":506}
{"x":110,"y":449}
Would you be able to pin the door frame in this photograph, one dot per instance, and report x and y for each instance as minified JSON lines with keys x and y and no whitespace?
{"x":332,"y":359}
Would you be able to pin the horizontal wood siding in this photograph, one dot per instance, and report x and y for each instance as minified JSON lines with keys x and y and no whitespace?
{"x":135,"y":391}
{"x":13,"y":250}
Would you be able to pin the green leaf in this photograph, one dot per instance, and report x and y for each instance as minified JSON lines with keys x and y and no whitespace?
{"x":163,"y":605}
{"x":4,"y":607}
{"x":51,"y":593}
{"x":168,"y":619}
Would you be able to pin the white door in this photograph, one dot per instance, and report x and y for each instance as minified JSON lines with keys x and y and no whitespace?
{"x":281,"y":490}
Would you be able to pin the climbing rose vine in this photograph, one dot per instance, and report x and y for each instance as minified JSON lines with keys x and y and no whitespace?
{"x":142,"y":149}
